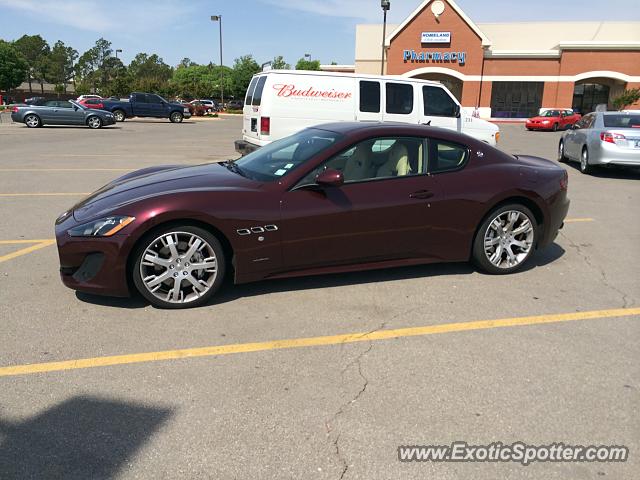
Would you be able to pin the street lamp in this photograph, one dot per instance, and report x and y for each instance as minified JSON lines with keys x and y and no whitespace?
{"x":218,"y":18}
{"x":118,"y":50}
{"x":386,"y":5}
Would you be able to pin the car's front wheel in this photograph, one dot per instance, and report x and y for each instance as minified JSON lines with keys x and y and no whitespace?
{"x":94,"y":122}
{"x":176,"y":117}
{"x":32,"y":121}
{"x":505,"y":240}
{"x":179,"y":267}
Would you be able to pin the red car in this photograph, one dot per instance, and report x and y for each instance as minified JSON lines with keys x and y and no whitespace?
{"x":554,"y":120}
{"x":92,"y":103}
{"x":333,"y":198}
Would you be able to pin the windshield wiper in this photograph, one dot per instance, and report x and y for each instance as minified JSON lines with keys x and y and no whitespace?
{"x":231,"y":166}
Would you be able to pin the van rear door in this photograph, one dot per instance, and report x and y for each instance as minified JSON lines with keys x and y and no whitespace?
{"x":247,"y":110}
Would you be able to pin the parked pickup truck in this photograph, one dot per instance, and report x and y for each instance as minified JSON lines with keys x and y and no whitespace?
{"x":145,"y":105}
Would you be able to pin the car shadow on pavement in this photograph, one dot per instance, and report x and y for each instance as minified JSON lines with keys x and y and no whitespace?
{"x":615,"y":172}
{"x":81,"y":438}
{"x":230,"y":292}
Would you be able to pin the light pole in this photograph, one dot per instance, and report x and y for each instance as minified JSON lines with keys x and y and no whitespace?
{"x":386,"y":5}
{"x":218,"y":18}
{"x":118,"y":50}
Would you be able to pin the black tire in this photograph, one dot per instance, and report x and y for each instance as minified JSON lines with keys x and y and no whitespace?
{"x":555,"y":127}
{"x":561,"y":156}
{"x":32,"y":121}
{"x":529,"y":128}
{"x":176,"y":117}
{"x":119,"y":115}
{"x":94,"y":122}
{"x":584,"y":162}
{"x":150,"y":240}
{"x":479,"y":256}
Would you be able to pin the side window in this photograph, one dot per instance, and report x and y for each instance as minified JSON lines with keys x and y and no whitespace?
{"x":446,"y":156}
{"x":586,"y":121}
{"x":249,"y":97}
{"x":51,"y":103}
{"x":399,"y":98}
{"x":370,"y":97}
{"x":153,"y":99}
{"x":65,"y":104}
{"x":376,"y":159}
{"x":257,"y":95}
{"x":437,"y":103}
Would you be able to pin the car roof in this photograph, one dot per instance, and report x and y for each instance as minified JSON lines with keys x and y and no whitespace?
{"x":389,"y":128}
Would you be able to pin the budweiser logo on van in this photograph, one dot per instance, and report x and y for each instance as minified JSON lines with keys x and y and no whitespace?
{"x":290,"y":90}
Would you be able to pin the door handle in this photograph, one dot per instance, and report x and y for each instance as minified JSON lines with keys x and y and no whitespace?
{"x":421,"y":194}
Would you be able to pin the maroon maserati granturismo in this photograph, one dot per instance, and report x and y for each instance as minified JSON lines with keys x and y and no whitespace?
{"x":332,"y":198}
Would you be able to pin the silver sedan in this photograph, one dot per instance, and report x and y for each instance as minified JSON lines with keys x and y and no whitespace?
{"x":603,"y":138}
{"x":61,"y":112}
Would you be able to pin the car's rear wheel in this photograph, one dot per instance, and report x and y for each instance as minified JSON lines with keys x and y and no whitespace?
{"x":94,"y":122}
{"x":584,"y":162}
{"x":119,"y":115}
{"x":505,"y":240}
{"x":179,"y":267}
{"x":32,"y":121}
{"x":176,"y":117}
{"x":561,"y":155}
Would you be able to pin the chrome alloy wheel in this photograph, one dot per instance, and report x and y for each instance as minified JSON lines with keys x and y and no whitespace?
{"x":94,"y":122}
{"x":178,"y":267}
{"x":32,"y":121}
{"x":508,"y":239}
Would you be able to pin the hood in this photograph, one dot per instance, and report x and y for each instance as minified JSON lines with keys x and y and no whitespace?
{"x":157,"y":181}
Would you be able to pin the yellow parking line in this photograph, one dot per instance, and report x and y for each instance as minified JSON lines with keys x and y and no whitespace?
{"x":55,"y":194}
{"x":23,"y":251}
{"x":577,"y":220}
{"x":15,"y":242}
{"x":310,"y":342}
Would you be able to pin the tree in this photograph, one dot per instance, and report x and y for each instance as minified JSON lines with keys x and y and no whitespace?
{"x":61,"y":63}
{"x":35,"y":50}
{"x":304,"y":64}
{"x":149,"y":73}
{"x":278,"y":63}
{"x":244,"y":68}
{"x":626,"y":98}
{"x":92,"y":67}
{"x":186,"y":62}
{"x":13,"y":66}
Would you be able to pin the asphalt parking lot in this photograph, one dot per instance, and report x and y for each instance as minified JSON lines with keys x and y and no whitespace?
{"x":230,"y":391}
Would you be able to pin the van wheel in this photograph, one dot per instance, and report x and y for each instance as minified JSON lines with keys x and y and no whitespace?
{"x":119,"y":115}
{"x":176,"y":117}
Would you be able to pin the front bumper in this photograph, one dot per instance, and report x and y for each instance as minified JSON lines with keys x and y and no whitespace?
{"x":93,"y":265}
{"x":539,"y":126}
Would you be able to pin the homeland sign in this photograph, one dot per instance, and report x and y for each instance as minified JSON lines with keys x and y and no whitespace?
{"x":436,"y":37}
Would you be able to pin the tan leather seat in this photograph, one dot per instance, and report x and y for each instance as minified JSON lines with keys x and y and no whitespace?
{"x":358,"y":166}
{"x":398,"y":163}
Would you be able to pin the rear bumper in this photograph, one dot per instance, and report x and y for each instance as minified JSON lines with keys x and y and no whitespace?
{"x":609,"y":154}
{"x":243,"y":147}
{"x":557,"y":213}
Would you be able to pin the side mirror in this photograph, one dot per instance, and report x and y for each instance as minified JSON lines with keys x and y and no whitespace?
{"x":330,"y":178}
{"x":456,"y":111}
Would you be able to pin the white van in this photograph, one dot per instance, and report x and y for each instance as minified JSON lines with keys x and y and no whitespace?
{"x":279,"y":103}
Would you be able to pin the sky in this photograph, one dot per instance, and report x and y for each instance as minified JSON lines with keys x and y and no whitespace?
{"x":175,"y":29}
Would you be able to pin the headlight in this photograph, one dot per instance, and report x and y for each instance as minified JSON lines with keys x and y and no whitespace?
{"x":104,"y":227}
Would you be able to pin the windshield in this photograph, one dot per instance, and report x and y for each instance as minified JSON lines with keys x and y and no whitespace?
{"x":622,"y":121}
{"x":76,"y":104}
{"x":280,"y":158}
{"x":550,"y":113}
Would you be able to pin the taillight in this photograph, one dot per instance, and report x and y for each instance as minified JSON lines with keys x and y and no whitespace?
{"x":564,"y":181}
{"x":611,"y":137}
{"x":14,"y":109}
{"x":265,"y":125}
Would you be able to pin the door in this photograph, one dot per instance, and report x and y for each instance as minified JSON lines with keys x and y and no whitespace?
{"x":400,"y":103}
{"x":577,"y":137}
{"x":439,"y":109}
{"x":66,"y":113}
{"x":369,"y":101}
{"x":140,"y":105}
{"x":157,"y":106}
{"x":381,"y":212}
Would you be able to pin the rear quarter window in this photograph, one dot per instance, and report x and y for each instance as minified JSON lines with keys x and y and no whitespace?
{"x":257,"y":95}
{"x":252,"y":85}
